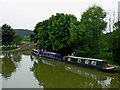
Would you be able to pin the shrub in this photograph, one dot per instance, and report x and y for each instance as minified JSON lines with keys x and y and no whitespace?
{"x":104,"y":56}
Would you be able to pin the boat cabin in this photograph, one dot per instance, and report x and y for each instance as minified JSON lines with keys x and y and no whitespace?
{"x":52,"y":55}
{"x":35,"y":51}
{"x":86,"y":61}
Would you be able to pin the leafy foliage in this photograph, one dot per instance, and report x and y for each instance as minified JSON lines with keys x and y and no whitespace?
{"x":18,"y":39}
{"x":86,"y":34}
{"x":9,"y":64}
{"x":92,"y":25}
{"x":53,"y":34}
{"x":24,"y":33}
{"x":114,"y":43}
{"x":64,"y":34}
{"x":59,"y":35}
{"x":8,"y":34}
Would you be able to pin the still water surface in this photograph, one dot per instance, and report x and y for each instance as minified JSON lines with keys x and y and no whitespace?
{"x":23,"y":70}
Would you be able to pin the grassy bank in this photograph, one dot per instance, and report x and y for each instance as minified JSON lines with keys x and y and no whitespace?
{"x":23,"y":42}
{"x":117,"y":69}
{"x":14,"y":50}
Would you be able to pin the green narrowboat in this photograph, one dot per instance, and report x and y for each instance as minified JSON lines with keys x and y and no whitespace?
{"x":88,"y":62}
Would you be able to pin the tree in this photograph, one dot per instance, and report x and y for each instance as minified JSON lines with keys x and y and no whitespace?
{"x":76,"y":38}
{"x":59,"y":34}
{"x":32,"y":37}
{"x":8,"y":65}
{"x":92,"y":24}
{"x":53,"y":34}
{"x":41,"y":36}
{"x":18,"y":39}
{"x":8,"y":35}
{"x":114,"y":43}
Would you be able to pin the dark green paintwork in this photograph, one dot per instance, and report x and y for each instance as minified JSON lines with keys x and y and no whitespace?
{"x":76,"y":60}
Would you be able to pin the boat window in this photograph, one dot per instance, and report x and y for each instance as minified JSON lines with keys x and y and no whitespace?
{"x":35,"y":51}
{"x":86,"y":61}
{"x":69,"y":59}
{"x":93,"y":63}
{"x":79,"y":60}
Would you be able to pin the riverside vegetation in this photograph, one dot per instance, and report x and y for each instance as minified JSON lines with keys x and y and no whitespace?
{"x":13,"y":38}
{"x":62,"y":33}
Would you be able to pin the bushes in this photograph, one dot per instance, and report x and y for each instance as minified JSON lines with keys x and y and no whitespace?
{"x":104,"y":56}
{"x":81,"y":53}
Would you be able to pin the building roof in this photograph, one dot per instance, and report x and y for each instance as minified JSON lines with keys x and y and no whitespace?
{"x":119,"y":10}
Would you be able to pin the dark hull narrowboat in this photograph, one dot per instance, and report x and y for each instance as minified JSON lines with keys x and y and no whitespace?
{"x":52,"y":55}
{"x":35,"y":52}
{"x":80,"y":61}
{"x":89,"y":62}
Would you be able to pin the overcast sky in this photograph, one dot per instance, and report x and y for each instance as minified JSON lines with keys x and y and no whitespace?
{"x":24,"y":14}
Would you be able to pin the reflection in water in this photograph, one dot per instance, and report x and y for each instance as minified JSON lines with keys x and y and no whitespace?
{"x":55,"y":77}
{"x":51,"y":62}
{"x":9,"y":63}
{"x":55,"y":74}
{"x":1,"y":56}
{"x":34,"y":57}
{"x":28,"y":52}
{"x":34,"y":72}
{"x":105,"y":81}
{"x":0,"y":65}
{"x":16,"y":71}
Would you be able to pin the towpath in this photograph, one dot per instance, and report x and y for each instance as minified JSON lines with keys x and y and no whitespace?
{"x":28,"y":45}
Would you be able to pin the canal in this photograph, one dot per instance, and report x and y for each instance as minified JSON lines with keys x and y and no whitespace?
{"x":24,"y":70}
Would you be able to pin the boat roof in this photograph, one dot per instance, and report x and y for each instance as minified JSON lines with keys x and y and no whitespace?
{"x":34,"y":49}
{"x":86,"y":58}
{"x":52,"y":53}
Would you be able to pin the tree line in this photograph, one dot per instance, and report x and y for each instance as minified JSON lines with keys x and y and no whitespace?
{"x":62,"y":33}
{"x":25,"y":33}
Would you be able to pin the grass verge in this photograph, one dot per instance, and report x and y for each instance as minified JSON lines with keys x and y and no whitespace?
{"x":14,"y":50}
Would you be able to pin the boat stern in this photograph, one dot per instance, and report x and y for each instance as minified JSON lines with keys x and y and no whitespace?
{"x":109,"y":69}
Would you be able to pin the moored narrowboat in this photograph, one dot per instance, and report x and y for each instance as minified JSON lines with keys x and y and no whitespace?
{"x":86,"y":62}
{"x":51,"y":55}
{"x":35,"y":51}
{"x":89,"y":62}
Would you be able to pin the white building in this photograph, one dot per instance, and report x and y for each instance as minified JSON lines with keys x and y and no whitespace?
{"x":119,"y":10}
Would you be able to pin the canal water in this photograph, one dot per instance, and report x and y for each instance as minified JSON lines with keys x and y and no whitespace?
{"x":24,"y":70}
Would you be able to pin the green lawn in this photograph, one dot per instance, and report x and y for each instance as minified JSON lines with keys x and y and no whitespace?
{"x":14,"y":50}
{"x":25,"y":42}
